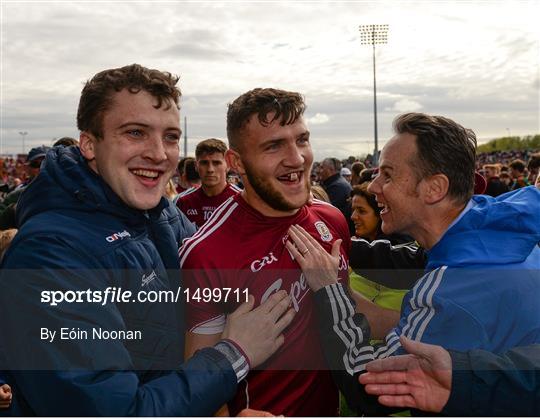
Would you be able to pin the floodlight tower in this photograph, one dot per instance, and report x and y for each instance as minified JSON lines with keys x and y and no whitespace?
{"x":372,"y":35}
{"x":23,"y":135}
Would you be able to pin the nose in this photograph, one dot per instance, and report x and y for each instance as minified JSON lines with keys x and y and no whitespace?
{"x":374,"y":186}
{"x":294,"y":157}
{"x":154,"y":149}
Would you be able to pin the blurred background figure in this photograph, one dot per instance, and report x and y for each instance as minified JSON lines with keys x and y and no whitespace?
{"x":517,"y":171}
{"x":319,"y":193}
{"x":337,"y":188}
{"x":356,"y":169}
{"x":534,"y":167}
{"x":7,"y":207}
{"x":495,"y":186}
{"x":346,"y":173}
{"x":66,"y":142}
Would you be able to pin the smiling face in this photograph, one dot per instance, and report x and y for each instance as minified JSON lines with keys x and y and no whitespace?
{"x":139,"y":150}
{"x":364,"y":218}
{"x":275,"y":164}
{"x":396,"y":187}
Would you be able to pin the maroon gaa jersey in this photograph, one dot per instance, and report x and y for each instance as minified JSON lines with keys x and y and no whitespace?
{"x":198,"y":207}
{"x":241,"y":249}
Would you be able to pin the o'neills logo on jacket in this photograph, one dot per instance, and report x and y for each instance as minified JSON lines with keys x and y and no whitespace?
{"x":117,"y":236}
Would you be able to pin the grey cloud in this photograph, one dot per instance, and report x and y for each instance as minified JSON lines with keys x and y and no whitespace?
{"x":195,"y":51}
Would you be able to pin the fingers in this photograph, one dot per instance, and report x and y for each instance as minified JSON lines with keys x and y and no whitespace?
{"x":285,"y":320}
{"x":295,"y":252}
{"x":306,"y":238}
{"x":245,"y":307}
{"x":280,"y":340}
{"x":335,"y":248}
{"x":394,"y":363}
{"x":387,"y":377}
{"x":279,"y":308}
{"x":388,"y":389}
{"x":251,"y":413}
{"x":300,"y":241}
{"x":274,"y":300}
{"x":398,"y":401}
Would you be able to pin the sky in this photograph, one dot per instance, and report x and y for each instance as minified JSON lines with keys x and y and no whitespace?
{"x":477,"y":62}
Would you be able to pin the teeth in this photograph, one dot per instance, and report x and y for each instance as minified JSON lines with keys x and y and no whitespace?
{"x":291,"y":177}
{"x":146,"y":173}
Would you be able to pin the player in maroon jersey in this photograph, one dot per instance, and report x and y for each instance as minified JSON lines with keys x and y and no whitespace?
{"x":199,"y":203}
{"x":243,"y":246}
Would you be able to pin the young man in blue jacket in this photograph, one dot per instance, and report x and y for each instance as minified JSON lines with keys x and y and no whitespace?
{"x":482,"y":282}
{"x":91,"y":301}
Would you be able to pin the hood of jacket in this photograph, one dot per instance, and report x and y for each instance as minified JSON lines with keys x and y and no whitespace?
{"x":66,"y":183}
{"x":502,"y":230}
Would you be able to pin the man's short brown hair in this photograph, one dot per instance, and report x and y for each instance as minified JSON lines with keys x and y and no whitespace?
{"x":518,"y":165}
{"x":443,"y":146}
{"x":97,"y":94}
{"x":210,"y":146}
{"x":286,"y":106}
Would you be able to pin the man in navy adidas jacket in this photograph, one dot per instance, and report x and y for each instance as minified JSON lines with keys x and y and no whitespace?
{"x":93,"y":226}
{"x":482,"y":282}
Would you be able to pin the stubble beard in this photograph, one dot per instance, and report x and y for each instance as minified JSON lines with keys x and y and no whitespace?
{"x":273,"y":198}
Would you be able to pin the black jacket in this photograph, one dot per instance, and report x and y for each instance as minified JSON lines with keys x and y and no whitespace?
{"x":485,"y":384}
{"x":75,"y":235}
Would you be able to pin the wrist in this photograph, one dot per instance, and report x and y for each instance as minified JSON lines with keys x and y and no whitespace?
{"x":238,"y":359}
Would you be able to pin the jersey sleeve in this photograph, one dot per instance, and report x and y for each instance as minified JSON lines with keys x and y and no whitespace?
{"x":205,"y":314}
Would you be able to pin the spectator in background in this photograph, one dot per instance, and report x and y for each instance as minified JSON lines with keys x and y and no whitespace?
{"x":356,"y":169}
{"x":517,"y":168}
{"x":33,"y":165}
{"x":346,"y":173}
{"x":188,"y":177}
{"x":65,"y":142}
{"x":367,"y":174}
{"x":319,"y":193}
{"x":495,"y":186}
{"x":534,"y":167}
{"x":180,"y":185}
{"x":200,"y":203}
{"x":505,"y":178}
{"x":337,"y":188}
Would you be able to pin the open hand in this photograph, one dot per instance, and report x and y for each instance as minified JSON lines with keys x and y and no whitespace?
{"x":421,"y":380}
{"x":259,"y":332}
{"x":320,"y":268}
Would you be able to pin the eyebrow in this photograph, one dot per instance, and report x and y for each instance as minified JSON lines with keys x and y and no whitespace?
{"x":281,"y":140}
{"x":140,"y":124}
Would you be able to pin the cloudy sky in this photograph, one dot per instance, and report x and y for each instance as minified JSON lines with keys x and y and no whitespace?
{"x":475,"y":61}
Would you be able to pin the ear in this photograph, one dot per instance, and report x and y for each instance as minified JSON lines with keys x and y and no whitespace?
{"x":435,"y":188}
{"x":87,"y":145}
{"x":235,"y":162}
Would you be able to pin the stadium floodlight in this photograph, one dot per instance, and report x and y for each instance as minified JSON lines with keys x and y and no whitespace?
{"x":373,"y":35}
{"x":23,"y":134}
